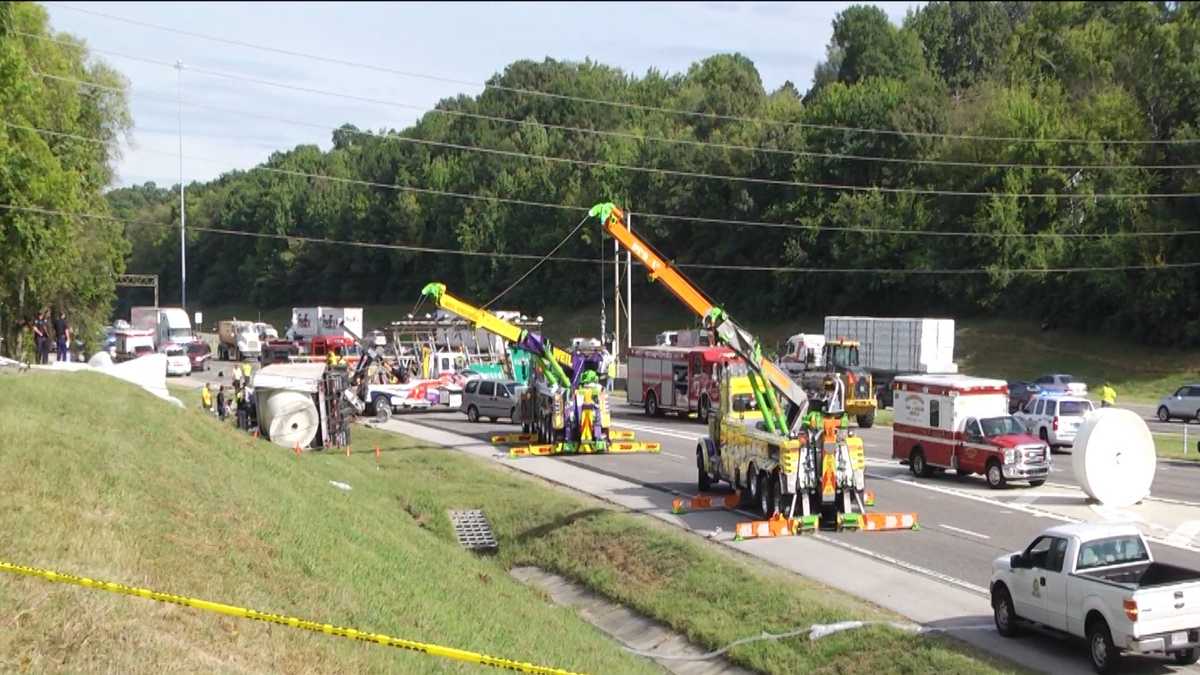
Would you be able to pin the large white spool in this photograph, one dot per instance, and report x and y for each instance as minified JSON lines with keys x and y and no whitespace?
{"x":1113,"y":457}
{"x":290,"y":417}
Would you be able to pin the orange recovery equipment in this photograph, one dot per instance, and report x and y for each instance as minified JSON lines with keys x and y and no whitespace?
{"x":798,"y":467}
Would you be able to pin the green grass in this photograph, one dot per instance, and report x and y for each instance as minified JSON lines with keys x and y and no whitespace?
{"x":1170,"y":446}
{"x":177,"y":502}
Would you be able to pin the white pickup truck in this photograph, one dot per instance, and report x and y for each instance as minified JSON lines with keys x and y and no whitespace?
{"x":1099,"y":582}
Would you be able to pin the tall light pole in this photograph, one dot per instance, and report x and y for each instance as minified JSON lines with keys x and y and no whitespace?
{"x":182,"y":211}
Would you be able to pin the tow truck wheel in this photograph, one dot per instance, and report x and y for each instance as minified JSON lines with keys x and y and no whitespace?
{"x":703,"y":480}
{"x":1003,"y":613}
{"x":995,"y":475}
{"x":472,"y":414}
{"x":1104,"y":654}
{"x":752,"y":486}
{"x":766,"y":495}
{"x":1186,"y":657}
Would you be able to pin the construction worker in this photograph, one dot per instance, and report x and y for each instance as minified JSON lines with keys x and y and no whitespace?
{"x":206,"y":398}
{"x":611,"y":370}
{"x":221,"y":409}
{"x":1108,"y":395}
{"x":246,"y":372}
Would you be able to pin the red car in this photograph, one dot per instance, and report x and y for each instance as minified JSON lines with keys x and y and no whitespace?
{"x":199,"y":354}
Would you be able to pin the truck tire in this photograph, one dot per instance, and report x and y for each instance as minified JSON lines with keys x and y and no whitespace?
{"x":472,"y":414}
{"x":1186,"y":657}
{"x":703,"y":479}
{"x":1101,"y":649}
{"x":1003,"y":613}
{"x":916,"y":464}
{"x":995,"y":475}
{"x":752,"y":485}
{"x":866,"y":421}
{"x":766,"y":495}
{"x":652,"y":409}
{"x":382,"y":408}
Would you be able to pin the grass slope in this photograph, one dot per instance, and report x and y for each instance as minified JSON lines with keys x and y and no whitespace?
{"x":129,"y":489}
{"x":133,"y":491}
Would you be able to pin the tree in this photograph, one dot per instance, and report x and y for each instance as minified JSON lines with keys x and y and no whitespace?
{"x":48,"y":260}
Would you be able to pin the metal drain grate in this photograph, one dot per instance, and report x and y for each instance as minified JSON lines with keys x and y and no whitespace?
{"x":473,"y":530}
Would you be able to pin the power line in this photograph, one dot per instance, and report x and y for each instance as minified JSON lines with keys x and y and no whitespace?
{"x":622,"y":104}
{"x":704,"y":175}
{"x":695,"y":219}
{"x":703,"y":266}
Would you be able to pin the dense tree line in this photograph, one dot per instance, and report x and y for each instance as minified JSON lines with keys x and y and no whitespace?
{"x":51,"y":261}
{"x":1008,"y":70}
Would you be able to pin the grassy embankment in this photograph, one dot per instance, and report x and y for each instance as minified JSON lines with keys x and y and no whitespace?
{"x":129,"y":489}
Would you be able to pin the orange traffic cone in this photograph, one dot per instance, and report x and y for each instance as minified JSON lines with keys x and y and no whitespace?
{"x":377,"y":453}
{"x":296,"y":447}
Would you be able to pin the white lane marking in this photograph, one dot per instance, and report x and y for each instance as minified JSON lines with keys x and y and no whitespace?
{"x":1185,"y":533}
{"x":1165,"y":500}
{"x":656,"y":430}
{"x":966,"y":585}
{"x":961,"y":530}
{"x":681,"y":457}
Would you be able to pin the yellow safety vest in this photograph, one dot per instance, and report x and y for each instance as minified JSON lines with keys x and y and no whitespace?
{"x":206,"y":397}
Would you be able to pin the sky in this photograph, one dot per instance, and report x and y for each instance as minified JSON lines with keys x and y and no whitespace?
{"x":232,"y":124}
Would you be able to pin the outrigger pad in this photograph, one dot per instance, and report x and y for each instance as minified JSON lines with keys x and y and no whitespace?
{"x":850,"y":521}
{"x":876,"y":522}
{"x":508,"y":439}
{"x":616,"y":435}
{"x":775,"y":526}
{"x":582,"y":449}
{"x":700,"y":502}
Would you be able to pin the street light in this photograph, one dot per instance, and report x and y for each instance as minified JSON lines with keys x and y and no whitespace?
{"x":182,"y":213}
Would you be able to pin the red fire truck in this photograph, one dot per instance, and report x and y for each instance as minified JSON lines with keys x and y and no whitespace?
{"x":679,"y":379}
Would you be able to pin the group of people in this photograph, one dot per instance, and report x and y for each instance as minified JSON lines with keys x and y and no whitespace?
{"x":239,"y":402}
{"x":47,"y":332}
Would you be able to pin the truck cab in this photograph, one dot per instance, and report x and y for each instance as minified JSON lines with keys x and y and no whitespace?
{"x":962,"y":424}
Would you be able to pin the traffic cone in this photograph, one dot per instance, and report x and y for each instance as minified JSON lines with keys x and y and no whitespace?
{"x":377,"y":454}
{"x":296,"y":447}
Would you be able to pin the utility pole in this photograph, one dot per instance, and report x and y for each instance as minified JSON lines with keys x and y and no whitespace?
{"x":182,"y":206}
{"x":629,"y":287}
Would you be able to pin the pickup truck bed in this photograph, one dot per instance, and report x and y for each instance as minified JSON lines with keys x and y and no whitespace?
{"x":1144,"y":575}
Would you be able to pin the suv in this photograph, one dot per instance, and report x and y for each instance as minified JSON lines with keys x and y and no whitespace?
{"x":1184,"y":405}
{"x":1019,"y":393}
{"x":1054,"y":418}
{"x":1061,"y":383}
{"x":489,"y":398}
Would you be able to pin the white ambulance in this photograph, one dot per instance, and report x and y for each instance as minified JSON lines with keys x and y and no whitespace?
{"x":962,"y":423}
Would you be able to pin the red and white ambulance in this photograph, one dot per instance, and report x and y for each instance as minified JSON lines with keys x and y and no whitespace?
{"x":962,"y":423}
{"x":679,"y":379}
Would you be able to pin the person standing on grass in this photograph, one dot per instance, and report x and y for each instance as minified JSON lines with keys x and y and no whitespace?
{"x":1108,"y":395}
{"x":62,"y":337}
{"x":221,"y":402}
{"x":206,"y":398}
{"x":41,"y":338}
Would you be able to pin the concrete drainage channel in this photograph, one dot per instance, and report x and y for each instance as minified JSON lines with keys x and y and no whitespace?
{"x":631,"y":629}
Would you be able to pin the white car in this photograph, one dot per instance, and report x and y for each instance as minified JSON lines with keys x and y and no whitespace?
{"x":178,"y":362}
{"x":1054,"y":418}
{"x":1061,"y":383}
{"x":1099,"y":582}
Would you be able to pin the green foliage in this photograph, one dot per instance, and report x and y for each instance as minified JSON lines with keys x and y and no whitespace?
{"x":49,"y":260}
{"x":1045,"y":71}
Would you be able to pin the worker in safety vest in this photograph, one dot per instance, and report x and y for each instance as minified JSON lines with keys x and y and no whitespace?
{"x":612,"y":371}
{"x":206,"y":398}
{"x":246,"y":371}
{"x":1108,"y":395}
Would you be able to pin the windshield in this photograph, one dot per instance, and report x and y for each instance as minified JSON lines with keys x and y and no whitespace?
{"x":1066,"y":408}
{"x":999,"y":426}
{"x":175,"y":351}
{"x":180,"y":334}
{"x":1112,"y":551}
{"x":744,"y":402}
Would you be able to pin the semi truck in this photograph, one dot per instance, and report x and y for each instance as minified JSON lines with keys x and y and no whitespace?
{"x":812,"y":359}
{"x":892,"y":346}
{"x":237,"y":340}
{"x":168,"y":324}
{"x":763,"y":442}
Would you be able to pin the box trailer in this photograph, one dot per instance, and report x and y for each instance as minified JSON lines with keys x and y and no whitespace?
{"x":309,"y":322}
{"x":892,"y":346}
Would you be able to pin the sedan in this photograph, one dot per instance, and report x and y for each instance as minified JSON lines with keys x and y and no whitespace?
{"x":1184,"y":404}
{"x":199,"y":354}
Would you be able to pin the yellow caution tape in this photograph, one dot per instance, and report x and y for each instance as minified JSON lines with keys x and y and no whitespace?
{"x":328,"y":629}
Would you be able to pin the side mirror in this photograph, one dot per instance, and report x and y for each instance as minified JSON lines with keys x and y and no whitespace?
{"x":1017,"y":561}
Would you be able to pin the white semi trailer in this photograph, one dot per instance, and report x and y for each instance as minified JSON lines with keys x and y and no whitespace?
{"x":891,"y":346}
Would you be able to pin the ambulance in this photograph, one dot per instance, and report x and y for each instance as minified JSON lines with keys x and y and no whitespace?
{"x":961,"y":423}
